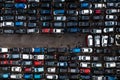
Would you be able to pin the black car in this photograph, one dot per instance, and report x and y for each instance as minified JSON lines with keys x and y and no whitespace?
{"x":63,"y":77}
{"x":45,"y":18}
{"x":59,"y":5}
{"x":9,"y":11}
{"x":45,"y":5}
{"x":84,"y":17}
{"x":72,"y":18}
{"x":21,"y":11}
{"x":64,"y":58}
{"x":72,"y":5}
{"x":62,"y":50}
{"x":32,"y":11}
{"x":20,"y":31}
{"x":33,"y":5}
{"x":8,"y":17}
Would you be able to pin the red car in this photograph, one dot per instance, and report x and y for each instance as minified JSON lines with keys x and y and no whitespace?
{"x":5,"y":62}
{"x":47,"y":30}
{"x":98,"y":11}
{"x":38,"y":63}
{"x":20,"y":0}
{"x":85,"y":71}
{"x":27,"y":69}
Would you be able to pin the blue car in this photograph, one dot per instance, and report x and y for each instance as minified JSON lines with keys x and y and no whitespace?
{"x":19,"y":23}
{"x":62,"y":64}
{"x":37,"y":76}
{"x":85,"y":77}
{"x":38,"y":50}
{"x":85,"y":5}
{"x":56,"y":12}
{"x":45,"y":12}
{"x":20,"y":5}
{"x":73,"y":30}
{"x":27,"y":76}
{"x":75,"y":50}
{"x":6,"y":75}
{"x":111,"y":78}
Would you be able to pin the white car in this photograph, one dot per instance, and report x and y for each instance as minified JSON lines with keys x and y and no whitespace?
{"x":58,"y":0}
{"x":90,"y":40}
{"x":117,"y":42}
{"x":97,"y":41}
{"x":33,"y":30}
{"x":110,"y":64}
{"x":52,"y":76}
{"x":98,"y":77}
{"x":39,"y":57}
{"x":85,"y":64}
{"x":16,"y":69}
{"x":3,"y":49}
{"x":11,"y":24}
{"x":59,"y":18}
{"x":99,"y":5}
{"x":58,"y":30}
{"x":33,"y":0}
{"x":16,"y":76}
{"x":51,"y":69}
{"x":108,"y":30}
{"x":87,"y":50}
{"x":27,"y":56}
{"x":87,"y":11}
{"x":96,"y":64}
{"x":104,"y":41}
{"x":111,"y":11}
{"x":111,"y":17}
{"x":84,"y":58}
{"x":111,"y":23}
{"x":96,"y":31}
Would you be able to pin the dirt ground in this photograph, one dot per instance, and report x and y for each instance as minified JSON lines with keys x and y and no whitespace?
{"x":42,"y":40}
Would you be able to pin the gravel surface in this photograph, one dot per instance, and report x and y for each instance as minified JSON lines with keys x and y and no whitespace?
{"x":42,"y":40}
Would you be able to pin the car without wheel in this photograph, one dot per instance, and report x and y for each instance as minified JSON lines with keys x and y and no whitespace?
{"x":117,"y":40}
{"x":104,"y":41}
{"x":52,"y":76}
{"x":97,"y":39}
{"x":84,"y":58}
{"x":110,"y":64}
{"x":108,"y":30}
{"x":96,"y":31}
{"x":89,"y":40}
{"x":51,"y":69}
{"x":85,"y":64}
{"x":87,"y":50}
{"x":8,"y":24}
{"x":16,"y":69}
{"x":15,"y":76}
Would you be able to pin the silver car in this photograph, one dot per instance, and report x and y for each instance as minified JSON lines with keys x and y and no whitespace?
{"x":97,"y":41}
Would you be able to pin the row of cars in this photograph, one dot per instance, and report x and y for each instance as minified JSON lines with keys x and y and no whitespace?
{"x":56,"y":24}
{"x":47,"y":18}
{"x":59,"y":50}
{"x":59,"y":64}
{"x":83,"y":4}
{"x":107,"y":30}
{"x":59,"y":11}
{"x":57,"y":77}
{"x":103,"y":40}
